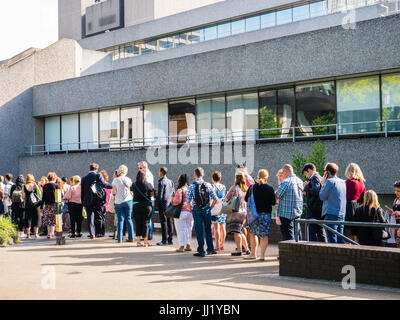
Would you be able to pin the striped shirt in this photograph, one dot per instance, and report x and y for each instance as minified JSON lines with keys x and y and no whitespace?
{"x":290,"y":194}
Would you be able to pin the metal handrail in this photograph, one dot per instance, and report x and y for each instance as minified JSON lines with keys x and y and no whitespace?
{"x":324,"y":223}
{"x":211,"y":137}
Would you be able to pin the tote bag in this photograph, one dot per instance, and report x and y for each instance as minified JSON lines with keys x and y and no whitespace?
{"x":252,"y":214}
{"x":174,"y":211}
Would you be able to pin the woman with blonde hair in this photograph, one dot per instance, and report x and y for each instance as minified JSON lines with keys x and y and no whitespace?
{"x":235,"y":220}
{"x":73,"y":196}
{"x":123,"y":202}
{"x":30,"y":194}
{"x":355,"y":190}
{"x":264,"y":198}
{"x":369,"y":211}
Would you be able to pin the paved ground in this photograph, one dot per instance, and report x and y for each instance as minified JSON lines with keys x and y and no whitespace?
{"x":103,"y":269}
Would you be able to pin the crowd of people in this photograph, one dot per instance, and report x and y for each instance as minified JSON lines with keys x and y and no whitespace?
{"x":244,"y":209}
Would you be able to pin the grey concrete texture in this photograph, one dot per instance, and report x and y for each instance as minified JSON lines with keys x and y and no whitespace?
{"x":102,"y":269}
{"x":289,"y":59}
{"x":379,"y":166}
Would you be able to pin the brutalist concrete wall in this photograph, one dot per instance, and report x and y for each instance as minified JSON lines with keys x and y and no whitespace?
{"x":332,"y":52}
{"x":373,"y":265}
{"x":380,"y":167}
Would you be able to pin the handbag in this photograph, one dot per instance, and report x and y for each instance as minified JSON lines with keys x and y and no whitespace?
{"x":111,"y":205}
{"x":232,"y":205}
{"x":216,"y":210}
{"x":35,"y":198}
{"x":252,"y":214}
{"x":65,"y":208}
{"x":379,"y":233}
{"x":174,"y":211}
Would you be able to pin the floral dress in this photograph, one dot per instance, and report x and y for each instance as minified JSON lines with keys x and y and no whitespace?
{"x":220,"y":191}
{"x":49,"y":215}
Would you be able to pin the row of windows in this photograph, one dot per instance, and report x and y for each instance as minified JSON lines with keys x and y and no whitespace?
{"x":230,"y":28}
{"x":347,"y":102}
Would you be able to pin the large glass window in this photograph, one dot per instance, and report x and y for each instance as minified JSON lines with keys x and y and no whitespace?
{"x":132,"y":125}
{"x":197,"y":36}
{"x":284,"y":16}
{"x":210,"y":115}
{"x":318,"y":9}
{"x":52,"y":133}
{"x":182,"y":120}
{"x":242,"y":114}
{"x":277,"y":112}
{"x":391,"y":100}
{"x":315,"y":106}
{"x":149,"y":47}
{"x":358,"y":101}
{"x":70,"y":132}
{"x":89,"y":130}
{"x":252,"y":23}
{"x":210,"y":33}
{"x":156,"y":124}
{"x":301,"y":12}
{"x":337,"y":5}
{"x":268,"y":20}
{"x":351,"y":4}
{"x":238,"y":26}
{"x":224,"y":30}
{"x":109,"y":128}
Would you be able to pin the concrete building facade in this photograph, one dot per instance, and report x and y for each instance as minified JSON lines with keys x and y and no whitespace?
{"x":277,"y":75}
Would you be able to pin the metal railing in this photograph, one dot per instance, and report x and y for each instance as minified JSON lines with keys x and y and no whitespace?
{"x":324,"y":224}
{"x":383,"y":127}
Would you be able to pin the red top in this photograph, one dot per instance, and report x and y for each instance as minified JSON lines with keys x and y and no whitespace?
{"x":355,"y":190}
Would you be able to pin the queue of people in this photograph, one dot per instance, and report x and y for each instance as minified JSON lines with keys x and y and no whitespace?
{"x":243,"y":210}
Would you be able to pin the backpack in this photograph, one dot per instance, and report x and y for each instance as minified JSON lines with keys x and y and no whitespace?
{"x":98,"y":195}
{"x":201,"y":195}
{"x":17,"y":196}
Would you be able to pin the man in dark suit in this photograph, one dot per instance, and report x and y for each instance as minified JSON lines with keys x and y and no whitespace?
{"x":314,"y":203}
{"x":164,"y":195}
{"x":93,"y":208}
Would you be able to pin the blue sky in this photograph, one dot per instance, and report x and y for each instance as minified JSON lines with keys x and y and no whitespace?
{"x":25,"y":24}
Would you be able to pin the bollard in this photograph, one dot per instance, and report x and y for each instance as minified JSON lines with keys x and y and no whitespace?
{"x":60,"y":239}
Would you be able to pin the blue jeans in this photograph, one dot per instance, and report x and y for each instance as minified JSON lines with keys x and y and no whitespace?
{"x":202,"y":216}
{"x":333,"y":238}
{"x":287,"y":229}
{"x":124,"y":212}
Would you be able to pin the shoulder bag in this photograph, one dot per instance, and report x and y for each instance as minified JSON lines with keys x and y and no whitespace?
{"x":111,"y":205}
{"x":174,"y":211}
{"x":34,"y":197}
{"x":232,"y":205}
{"x":379,"y":233}
{"x":252,"y":214}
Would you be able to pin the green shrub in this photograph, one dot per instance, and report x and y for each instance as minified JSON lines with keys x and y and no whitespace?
{"x":8,"y":232}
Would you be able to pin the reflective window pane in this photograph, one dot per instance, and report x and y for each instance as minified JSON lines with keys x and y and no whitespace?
{"x":337,"y":5}
{"x":89,"y":130}
{"x":391,"y":100}
{"x":301,"y":12}
{"x":210,"y":117}
{"x":70,"y":132}
{"x":210,"y":33}
{"x":149,"y":47}
{"x":318,"y":9}
{"x":284,"y":16}
{"x":315,"y":105}
{"x":238,"y":26}
{"x":268,"y":20}
{"x":224,"y":30}
{"x":253,"y":23}
{"x":182,"y":39}
{"x":351,"y":4}
{"x":128,"y":51}
{"x":116,"y":53}
{"x":197,"y":36}
{"x":52,"y":133}
{"x":358,"y":101}
{"x":109,"y":127}
{"x":156,"y":124}
{"x":242,"y":114}
{"x":182,"y":120}
{"x":131,"y":126}
{"x":277,"y":112}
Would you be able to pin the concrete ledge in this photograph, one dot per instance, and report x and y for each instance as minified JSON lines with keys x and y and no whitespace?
{"x":373,"y":265}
